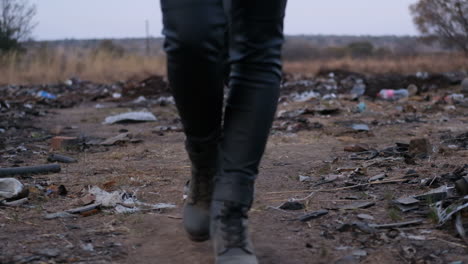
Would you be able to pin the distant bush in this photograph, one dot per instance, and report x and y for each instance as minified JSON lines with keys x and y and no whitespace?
{"x":360,"y":49}
{"x":16,"y":23}
{"x":108,"y":47}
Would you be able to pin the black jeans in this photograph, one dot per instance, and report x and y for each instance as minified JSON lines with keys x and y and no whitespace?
{"x":199,"y":34}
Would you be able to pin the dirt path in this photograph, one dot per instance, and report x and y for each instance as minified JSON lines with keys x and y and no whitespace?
{"x":157,"y":169}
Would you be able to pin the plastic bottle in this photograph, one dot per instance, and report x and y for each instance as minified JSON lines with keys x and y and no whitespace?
{"x":46,"y":95}
{"x":359,"y":89}
{"x":390,"y":94}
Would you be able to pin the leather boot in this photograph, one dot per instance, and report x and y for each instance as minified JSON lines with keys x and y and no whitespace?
{"x":229,"y":232}
{"x":232,"y":199}
{"x":196,"y":213}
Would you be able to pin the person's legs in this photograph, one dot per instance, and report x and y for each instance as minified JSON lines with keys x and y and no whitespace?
{"x":255,"y":55}
{"x":194,"y":44}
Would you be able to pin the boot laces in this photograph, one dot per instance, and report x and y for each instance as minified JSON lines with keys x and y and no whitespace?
{"x":233,"y":230}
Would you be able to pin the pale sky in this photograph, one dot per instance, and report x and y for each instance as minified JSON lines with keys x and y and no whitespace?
{"x":59,"y":19}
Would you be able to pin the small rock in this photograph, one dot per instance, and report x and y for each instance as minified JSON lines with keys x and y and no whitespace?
{"x":365,"y":217}
{"x":305,"y":178}
{"x":420,"y":147}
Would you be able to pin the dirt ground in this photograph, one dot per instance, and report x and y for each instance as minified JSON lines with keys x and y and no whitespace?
{"x":156,"y":169}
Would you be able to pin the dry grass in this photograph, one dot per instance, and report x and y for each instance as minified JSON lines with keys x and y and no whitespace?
{"x":407,"y":65}
{"x":51,"y":66}
{"x":60,"y":65}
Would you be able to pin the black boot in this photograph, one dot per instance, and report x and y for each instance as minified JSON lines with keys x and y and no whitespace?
{"x":232,"y":199}
{"x":229,"y":232}
{"x":196,"y":215}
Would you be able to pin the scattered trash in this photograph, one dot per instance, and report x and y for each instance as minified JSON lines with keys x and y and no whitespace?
{"x":459,"y":141}
{"x":406,"y":204}
{"x":434,"y":195}
{"x":10,"y":188}
{"x":122,"y":198}
{"x":54,"y":191}
{"x":361,"y":226}
{"x":313,"y":215}
{"x":445,"y":214}
{"x":365,"y":217}
{"x":15,"y":203}
{"x":72,"y":212}
{"x":130,"y":117}
{"x":60,"y":158}
{"x":360,"y":253}
{"x":46,"y":95}
{"x":389,"y":94}
{"x":365,"y":155}
{"x":42,"y":169}
{"x":59,"y":215}
{"x":359,"y":89}
{"x":305,"y":96}
{"x":119,"y":139}
{"x":305,"y":178}
{"x":398,"y":225}
{"x":358,"y":205}
{"x":360,"y":127}
{"x":292,"y":205}
{"x":361,"y":107}
{"x":160,"y":129}
{"x":378,"y":177}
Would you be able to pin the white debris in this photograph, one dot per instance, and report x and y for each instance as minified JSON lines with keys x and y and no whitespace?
{"x":445,"y":214}
{"x":130,"y":116}
{"x":124,"y":202}
{"x":305,"y":178}
{"x":10,"y":187}
{"x":140,"y":99}
{"x":305,"y":96}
